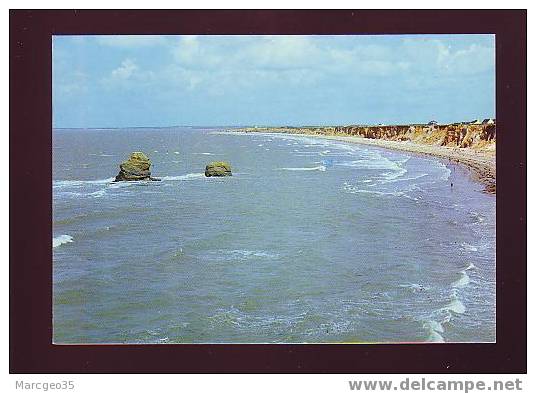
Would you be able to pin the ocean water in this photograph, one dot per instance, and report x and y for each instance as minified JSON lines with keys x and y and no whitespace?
{"x":310,"y":241}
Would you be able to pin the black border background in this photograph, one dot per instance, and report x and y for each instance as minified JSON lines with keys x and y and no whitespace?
{"x":30,"y":195}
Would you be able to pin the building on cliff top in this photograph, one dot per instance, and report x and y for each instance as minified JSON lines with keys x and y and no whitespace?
{"x":488,"y":121}
{"x":432,"y":123}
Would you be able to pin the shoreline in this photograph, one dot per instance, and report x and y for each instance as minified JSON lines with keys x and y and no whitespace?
{"x":482,"y":167}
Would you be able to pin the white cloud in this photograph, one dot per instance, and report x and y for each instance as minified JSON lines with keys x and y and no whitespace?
{"x":435,"y":56}
{"x":125,"y":70}
{"x":283,"y":52}
{"x":278,"y":54}
{"x":189,"y":51}
{"x":218,"y":65}
{"x":184,"y":77}
{"x":472,"y":60}
{"x":240,"y":62}
{"x":129,"y":75}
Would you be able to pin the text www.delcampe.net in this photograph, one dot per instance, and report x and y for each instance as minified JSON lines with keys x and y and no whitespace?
{"x":424,"y":384}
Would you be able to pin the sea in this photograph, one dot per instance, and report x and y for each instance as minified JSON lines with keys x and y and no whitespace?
{"x":310,"y":241}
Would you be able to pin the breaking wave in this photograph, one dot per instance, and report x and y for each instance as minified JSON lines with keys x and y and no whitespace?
{"x":76,"y":183}
{"x":188,"y":176}
{"x":321,"y":168}
{"x":62,"y":239}
{"x":463,"y":281}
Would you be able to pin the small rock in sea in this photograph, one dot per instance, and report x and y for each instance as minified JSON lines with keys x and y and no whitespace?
{"x":218,"y":168}
{"x":137,"y":167}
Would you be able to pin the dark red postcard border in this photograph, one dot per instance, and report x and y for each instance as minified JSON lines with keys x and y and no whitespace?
{"x":30,"y":195}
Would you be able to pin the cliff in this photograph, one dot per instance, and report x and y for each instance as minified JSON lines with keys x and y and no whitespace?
{"x":475,"y":136}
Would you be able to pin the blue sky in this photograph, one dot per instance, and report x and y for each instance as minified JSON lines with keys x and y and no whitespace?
{"x":121,"y":81}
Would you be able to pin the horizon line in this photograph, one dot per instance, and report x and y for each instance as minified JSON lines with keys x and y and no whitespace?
{"x":270,"y":126}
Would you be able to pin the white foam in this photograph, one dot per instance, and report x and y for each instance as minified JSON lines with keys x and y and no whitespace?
{"x":299,"y":153}
{"x":321,"y":168}
{"x":176,"y":152}
{"x":98,"y":194}
{"x":75,"y":183}
{"x":375,"y":162}
{"x":470,"y":267}
{"x":340,"y":154}
{"x":435,"y":329}
{"x":415,"y":287}
{"x":249,"y":253}
{"x":477,"y":216}
{"x":463,"y":281}
{"x":435,"y":326}
{"x":403,"y":160}
{"x":455,"y":306}
{"x":355,"y":190}
{"x":469,"y":247}
{"x":188,"y":176}
{"x":391,"y":179}
{"x":446,"y":173}
{"x":435,"y":337}
{"x":243,"y":255}
{"x":62,"y":239}
{"x":122,"y":184}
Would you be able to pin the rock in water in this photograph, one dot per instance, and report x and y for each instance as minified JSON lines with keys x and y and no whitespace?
{"x":218,"y":168}
{"x":137,"y":167}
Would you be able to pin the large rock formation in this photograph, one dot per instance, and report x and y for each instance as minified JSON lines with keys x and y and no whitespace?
{"x":218,"y":168}
{"x":137,"y":167}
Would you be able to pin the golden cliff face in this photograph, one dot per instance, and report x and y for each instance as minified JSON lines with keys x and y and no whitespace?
{"x":476,"y":136}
